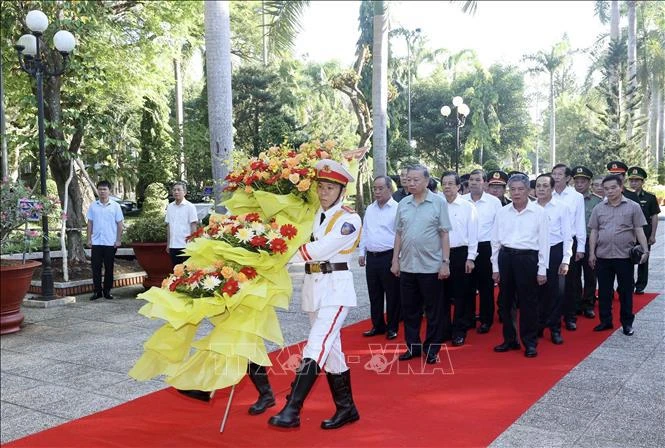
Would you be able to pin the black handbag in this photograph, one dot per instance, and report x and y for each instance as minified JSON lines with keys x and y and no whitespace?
{"x":636,"y":254}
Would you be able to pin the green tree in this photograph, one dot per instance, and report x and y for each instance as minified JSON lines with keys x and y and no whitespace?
{"x":157,"y":161}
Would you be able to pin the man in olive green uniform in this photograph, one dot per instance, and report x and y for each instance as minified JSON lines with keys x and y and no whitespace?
{"x":650,"y":208}
{"x":582,"y":180}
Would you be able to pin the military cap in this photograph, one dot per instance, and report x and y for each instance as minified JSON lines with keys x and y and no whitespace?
{"x":582,"y":171}
{"x":511,"y":173}
{"x":635,"y":172}
{"x":497,"y":177}
{"x":331,"y":171}
{"x":616,"y":167}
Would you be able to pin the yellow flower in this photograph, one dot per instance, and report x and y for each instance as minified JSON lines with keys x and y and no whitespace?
{"x":179,"y":270}
{"x":304,"y":185}
{"x":286,"y":173}
{"x":218,"y":265}
{"x":294,"y":178}
{"x":166,"y":282}
{"x":242,"y":278}
{"x":248,"y":189}
{"x":227,"y":272}
{"x":291,"y":162}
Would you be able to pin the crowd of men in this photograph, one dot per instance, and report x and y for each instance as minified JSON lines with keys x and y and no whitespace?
{"x":548,"y":249}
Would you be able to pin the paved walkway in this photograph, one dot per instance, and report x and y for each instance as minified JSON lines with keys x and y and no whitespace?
{"x":72,"y":361}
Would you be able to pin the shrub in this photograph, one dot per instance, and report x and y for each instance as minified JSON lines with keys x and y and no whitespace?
{"x":146,"y":229}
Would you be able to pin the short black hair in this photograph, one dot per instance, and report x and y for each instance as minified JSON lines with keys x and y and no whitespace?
{"x":104,"y":183}
{"x":569,"y":172}
{"x":611,"y":177}
{"x":451,"y":173}
{"x":481,"y":172}
{"x":549,"y":175}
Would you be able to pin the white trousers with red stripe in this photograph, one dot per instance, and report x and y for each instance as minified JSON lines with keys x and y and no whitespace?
{"x":324,"y":344}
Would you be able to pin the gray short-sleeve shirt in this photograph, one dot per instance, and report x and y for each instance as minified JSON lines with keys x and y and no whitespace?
{"x":616,"y":227}
{"x":419,"y":226}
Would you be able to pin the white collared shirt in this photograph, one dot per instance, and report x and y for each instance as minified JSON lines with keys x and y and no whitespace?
{"x":464,"y":219}
{"x":559,"y":227}
{"x":528,"y":229}
{"x":105,"y":219}
{"x":575,"y":202}
{"x":180,"y":218}
{"x":486,"y":208}
{"x":378,"y":233}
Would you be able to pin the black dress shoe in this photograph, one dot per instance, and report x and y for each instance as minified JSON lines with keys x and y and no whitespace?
{"x":458,"y":341}
{"x":602,"y":327}
{"x":200,"y":395}
{"x":589,"y":314}
{"x":109,"y":296}
{"x":556,"y":338}
{"x":484,"y":328}
{"x":530,"y":352}
{"x":639,"y":292}
{"x":628,"y":330}
{"x":432,"y":359}
{"x":507,"y":346}
{"x":541,"y":332}
{"x":95,"y":296}
{"x":372,"y":332}
{"x":408,"y":355}
{"x":571,"y":326}
{"x":391,"y":335}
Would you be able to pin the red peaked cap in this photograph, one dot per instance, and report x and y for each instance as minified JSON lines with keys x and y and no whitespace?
{"x":331,"y":171}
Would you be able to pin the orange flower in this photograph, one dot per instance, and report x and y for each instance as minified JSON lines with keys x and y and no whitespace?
{"x":165,"y":283}
{"x":286,"y":173}
{"x":304,"y":185}
{"x":179,"y":270}
{"x":274,"y":225}
{"x":248,"y":189}
{"x":227,"y":272}
{"x":291,"y":162}
{"x":242,"y":278}
{"x":324,"y":155}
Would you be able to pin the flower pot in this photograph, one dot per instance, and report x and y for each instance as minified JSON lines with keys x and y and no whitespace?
{"x":155,"y":262}
{"x":14,"y":283}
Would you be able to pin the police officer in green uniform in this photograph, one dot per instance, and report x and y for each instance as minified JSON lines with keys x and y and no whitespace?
{"x":620,"y":168}
{"x":650,"y":208}
{"x":582,"y":181}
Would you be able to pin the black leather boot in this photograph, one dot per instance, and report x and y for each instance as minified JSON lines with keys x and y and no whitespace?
{"x":259,"y":377}
{"x":289,"y":417}
{"x":200,"y":395}
{"x":340,"y":387}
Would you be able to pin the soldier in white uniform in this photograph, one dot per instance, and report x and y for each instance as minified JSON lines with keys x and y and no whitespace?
{"x":327,"y":295}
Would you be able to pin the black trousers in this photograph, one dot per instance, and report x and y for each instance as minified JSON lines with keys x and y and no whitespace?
{"x":643,"y":269}
{"x":177,"y":256}
{"x":607,"y":269}
{"x":381,"y":283}
{"x":550,"y":295}
{"x":518,"y":270}
{"x":102,"y":255}
{"x":456,"y":293}
{"x":418,"y":291}
{"x":588,"y":291}
{"x":481,"y":281}
{"x":572,"y":293}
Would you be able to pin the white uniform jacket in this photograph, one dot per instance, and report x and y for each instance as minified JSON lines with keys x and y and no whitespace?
{"x":334,"y":240}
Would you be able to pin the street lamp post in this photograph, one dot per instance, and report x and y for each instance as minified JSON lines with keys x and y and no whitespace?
{"x":409,"y":37}
{"x":30,"y":59}
{"x":461,"y":111}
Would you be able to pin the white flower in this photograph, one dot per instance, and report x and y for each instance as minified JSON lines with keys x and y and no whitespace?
{"x":210,"y":282}
{"x":244,"y":235}
{"x":258,"y":228}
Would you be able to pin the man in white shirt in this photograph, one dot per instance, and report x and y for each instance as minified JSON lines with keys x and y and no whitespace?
{"x":487,"y":207}
{"x":575,"y":202}
{"x":181,"y":221}
{"x":520,"y":256}
{"x":550,"y":295}
{"x":376,"y":254}
{"x":463,"y":251}
{"x":104,"y":235}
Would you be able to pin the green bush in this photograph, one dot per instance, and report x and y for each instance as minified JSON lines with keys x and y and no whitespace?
{"x":146,"y":229}
{"x":156,"y":200}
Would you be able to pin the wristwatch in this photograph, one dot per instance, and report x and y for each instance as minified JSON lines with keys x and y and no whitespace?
{"x":445,"y":261}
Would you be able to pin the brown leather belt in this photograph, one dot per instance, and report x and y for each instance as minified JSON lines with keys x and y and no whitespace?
{"x":325,"y":267}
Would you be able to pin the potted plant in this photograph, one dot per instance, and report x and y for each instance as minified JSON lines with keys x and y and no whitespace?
{"x":20,"y":205}
{"x":147,"y":236}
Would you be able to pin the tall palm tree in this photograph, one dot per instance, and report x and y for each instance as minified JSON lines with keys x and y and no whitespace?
{"x":282,"y":22}
{"x":380,"y":88}
{"x":632,"y":58}
{"x":549,"y":62}
{"x":218,"y":72}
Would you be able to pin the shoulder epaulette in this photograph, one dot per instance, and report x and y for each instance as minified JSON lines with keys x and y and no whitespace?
{"x":348,"y":209}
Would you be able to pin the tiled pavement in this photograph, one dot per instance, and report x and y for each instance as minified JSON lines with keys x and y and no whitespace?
{"x":72,"y":361}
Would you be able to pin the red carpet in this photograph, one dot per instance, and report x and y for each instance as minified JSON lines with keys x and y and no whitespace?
{"x":469,"y":405}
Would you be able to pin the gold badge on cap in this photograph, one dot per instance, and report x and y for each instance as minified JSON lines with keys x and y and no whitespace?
{"x":496,"y":176}
{"x":614,"y":166}
{"x":635,"y":171}
{"x":579,"y":170}
{"x":326,"y":169}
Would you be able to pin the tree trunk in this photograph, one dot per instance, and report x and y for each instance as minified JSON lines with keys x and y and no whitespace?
{"x":632,"y":66}
{"x":380,"y":90}
{"x":179,"y":128}
{"x":218,"y":72}
{"x":660,"y":141}
{"x":552,"y":122}
{"x":615,"y":35}
{"x":5,"y":164}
